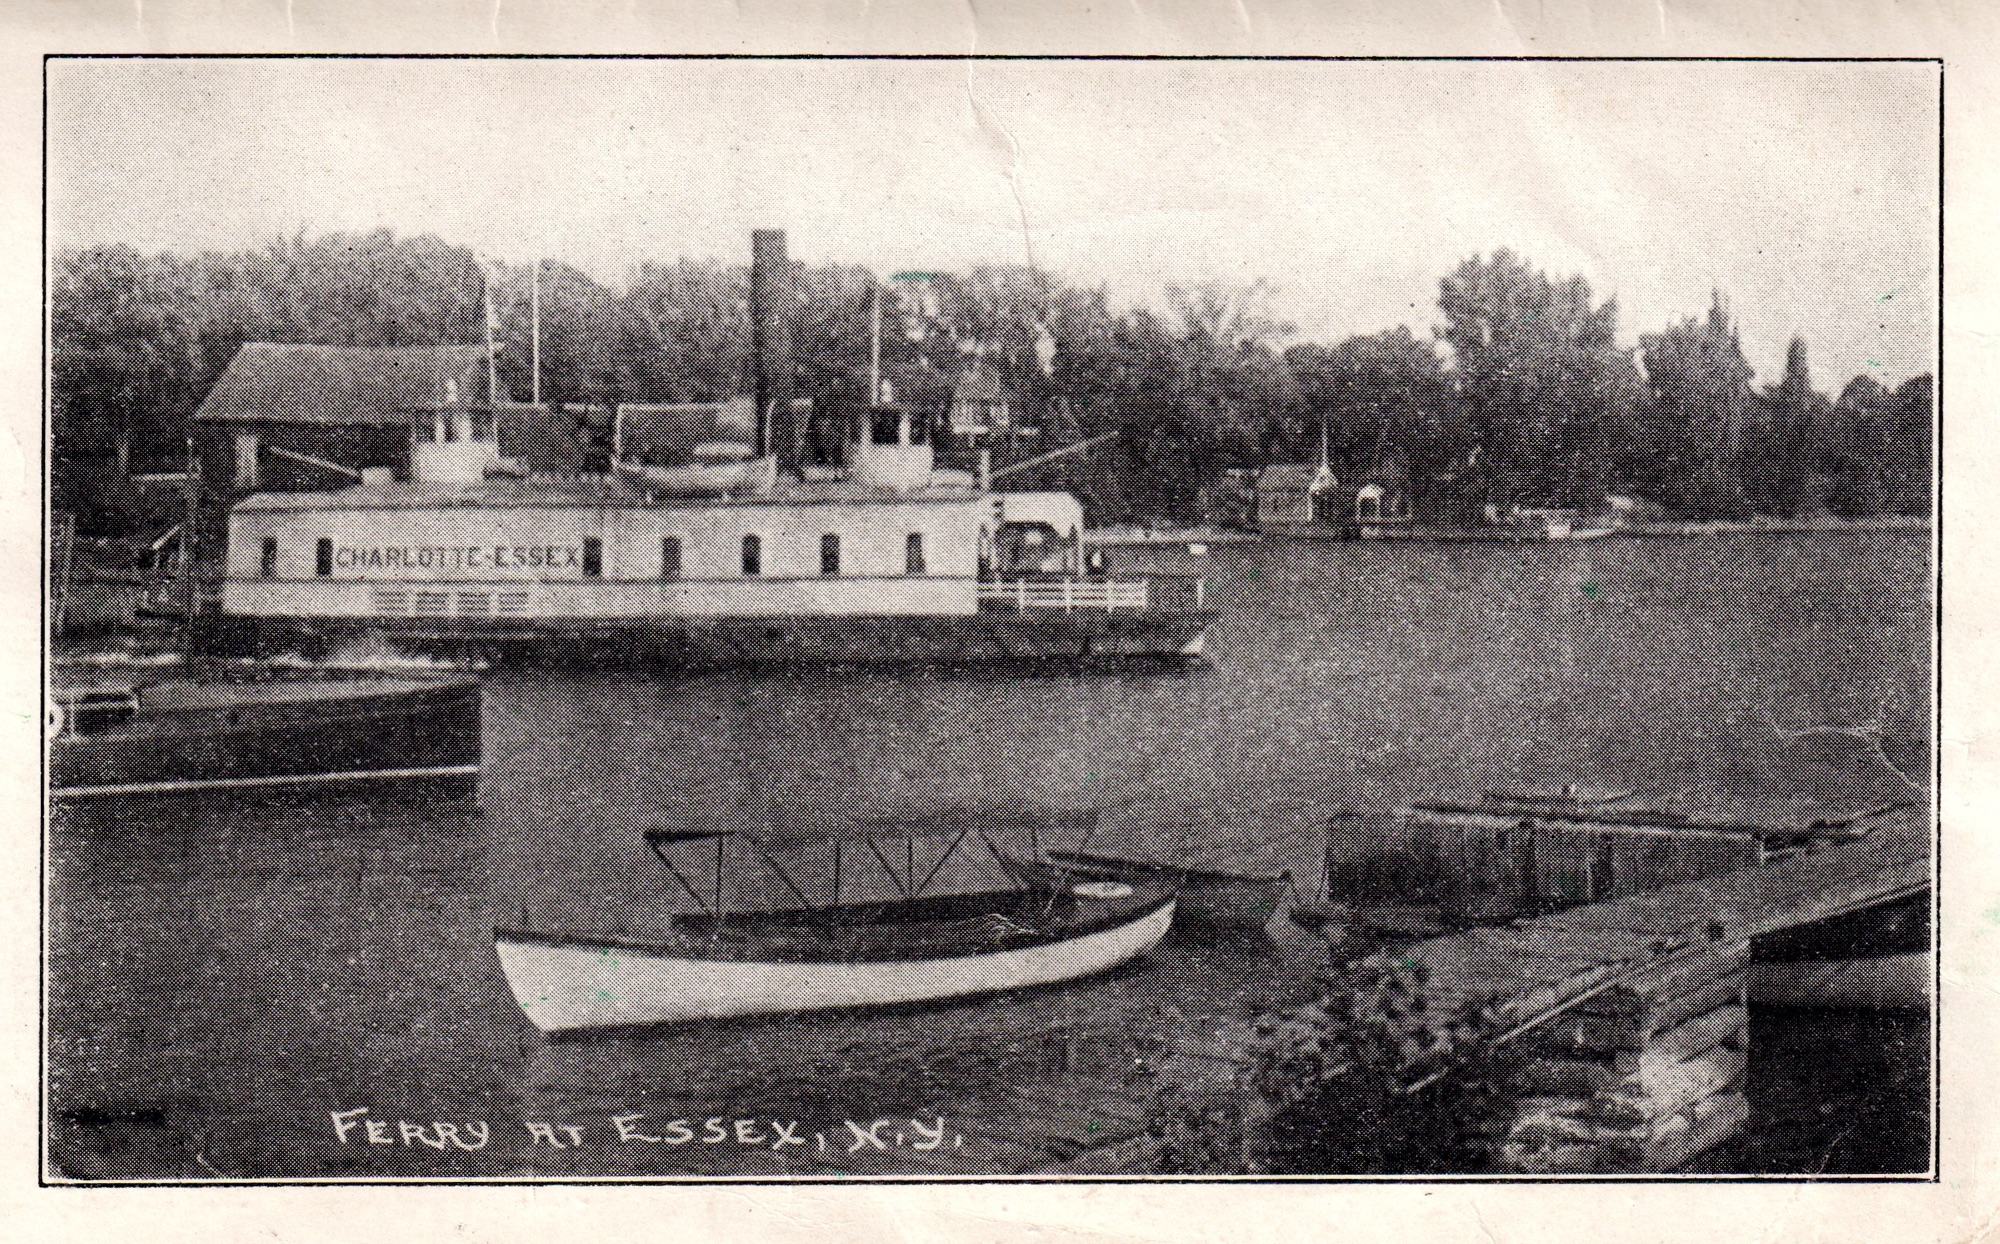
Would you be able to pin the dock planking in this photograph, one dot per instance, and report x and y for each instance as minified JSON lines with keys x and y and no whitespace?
{"x":1665,"y":964}
{"x":1539,"y":963}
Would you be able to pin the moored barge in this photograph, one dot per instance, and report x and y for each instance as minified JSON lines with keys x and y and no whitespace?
{"x":194,"y":735}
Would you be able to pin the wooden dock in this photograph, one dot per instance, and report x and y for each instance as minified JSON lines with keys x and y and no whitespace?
{"x":1629,"y":1015}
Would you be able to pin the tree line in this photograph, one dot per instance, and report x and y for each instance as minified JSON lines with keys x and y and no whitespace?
{"x":1521,"y":394}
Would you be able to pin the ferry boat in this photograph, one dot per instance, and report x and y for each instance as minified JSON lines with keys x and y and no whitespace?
{"x":923,"y":567}
{"x":726,"y":550}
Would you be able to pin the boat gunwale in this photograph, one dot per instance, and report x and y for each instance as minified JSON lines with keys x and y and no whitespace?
{"x":956,"y":940}
{"x":1094,"y":862}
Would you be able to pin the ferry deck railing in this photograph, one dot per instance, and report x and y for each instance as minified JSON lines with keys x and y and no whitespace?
{"x":1069,"y":593}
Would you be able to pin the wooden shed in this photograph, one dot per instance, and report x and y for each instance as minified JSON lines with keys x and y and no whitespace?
{"x":356,"y":406}
{"x":1295,"y":496}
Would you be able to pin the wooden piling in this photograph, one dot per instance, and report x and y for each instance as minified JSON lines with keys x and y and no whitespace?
{"x":1637,"y":1078}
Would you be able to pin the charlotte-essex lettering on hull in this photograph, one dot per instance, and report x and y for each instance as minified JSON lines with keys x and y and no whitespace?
{"x":472,"y":557}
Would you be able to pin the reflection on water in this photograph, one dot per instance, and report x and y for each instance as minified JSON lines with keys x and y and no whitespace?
{"x":225,"y":978}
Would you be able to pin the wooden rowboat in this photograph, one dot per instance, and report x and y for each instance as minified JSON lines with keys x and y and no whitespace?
{"x":1876,"y":959}
{"x":920,"y":947}
{"x":1207,"y":896}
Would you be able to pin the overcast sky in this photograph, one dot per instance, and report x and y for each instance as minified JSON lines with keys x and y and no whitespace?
{"x":1805,"y":192}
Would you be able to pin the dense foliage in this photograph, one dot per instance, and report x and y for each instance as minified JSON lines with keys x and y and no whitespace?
{"x":1522,"y":395}
{"x":1369,"y":1075}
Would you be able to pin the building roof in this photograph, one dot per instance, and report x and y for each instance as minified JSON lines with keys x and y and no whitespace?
{"x":981,"y":384}
{"x":336,"y":385}
{"x":1294,"y":477}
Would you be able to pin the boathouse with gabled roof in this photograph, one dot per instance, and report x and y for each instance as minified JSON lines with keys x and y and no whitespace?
{"x":1294,"y":495}
{"x":354,"y":406}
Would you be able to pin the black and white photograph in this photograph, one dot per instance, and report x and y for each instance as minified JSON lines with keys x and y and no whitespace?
{"x":810,"y":619}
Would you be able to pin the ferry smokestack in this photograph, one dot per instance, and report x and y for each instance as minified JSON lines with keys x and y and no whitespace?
{"x":772,"y":295}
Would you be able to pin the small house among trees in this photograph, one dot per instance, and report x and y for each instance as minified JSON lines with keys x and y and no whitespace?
{"x":981,"y":405}
{"x":1295,"y":495}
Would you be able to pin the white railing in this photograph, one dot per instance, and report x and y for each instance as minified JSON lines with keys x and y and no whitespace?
{"x":1064,"y":594}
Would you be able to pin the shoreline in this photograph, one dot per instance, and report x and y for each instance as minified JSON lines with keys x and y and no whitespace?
{"x":1126,"y":535}
{"x":1772,"y":526}
{"x":1652,"y":529}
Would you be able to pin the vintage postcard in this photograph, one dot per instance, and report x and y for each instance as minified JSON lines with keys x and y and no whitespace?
{"x":1193,"y":623}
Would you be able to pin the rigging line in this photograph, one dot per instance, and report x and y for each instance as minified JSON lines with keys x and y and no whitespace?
{"x":772,"y":861}
{"x":948,"y":851}
{"x":654,"y":843}
{"x":1095,"y":819}
{"x":1009,"y":866}
{"x":887,"y":867}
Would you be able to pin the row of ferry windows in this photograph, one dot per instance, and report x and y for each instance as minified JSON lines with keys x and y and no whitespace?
{"x":670,"y":556}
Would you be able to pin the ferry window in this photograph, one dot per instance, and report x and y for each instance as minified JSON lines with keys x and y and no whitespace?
{"x":753,"y":555}
{"x":829,"y":553}
{"x":270,"y":559}
{"x":913,"y":553}
{"x":593,"y":557}
{"x":323,"y":557}
{"x":670,"y":557}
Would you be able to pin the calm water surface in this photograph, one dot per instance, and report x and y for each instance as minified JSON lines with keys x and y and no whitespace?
{"x":224,"y":978}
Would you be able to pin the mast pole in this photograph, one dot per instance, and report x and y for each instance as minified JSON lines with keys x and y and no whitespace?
{"x":874,"y":341}
{"x":191,"y":492}
{"x":535,"y":306}
{"x":492,"y":366}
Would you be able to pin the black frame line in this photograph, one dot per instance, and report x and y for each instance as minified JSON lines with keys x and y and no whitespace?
{"x":1938,"y":484}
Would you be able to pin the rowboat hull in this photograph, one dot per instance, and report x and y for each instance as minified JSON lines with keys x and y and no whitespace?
{"x":1877,"y":959}
{"x":1206,"y":896}
{"x":566,"y":984}
{"x":1881,"y":983}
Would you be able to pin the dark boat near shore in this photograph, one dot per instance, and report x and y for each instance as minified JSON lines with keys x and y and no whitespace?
{"x":195,"y":734}
{"x":1876,"y":959}
{"x":1207,"y":896}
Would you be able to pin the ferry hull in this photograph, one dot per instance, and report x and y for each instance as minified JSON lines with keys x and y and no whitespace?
{"x":565,"y":985}
{"x":1168,"y":637}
